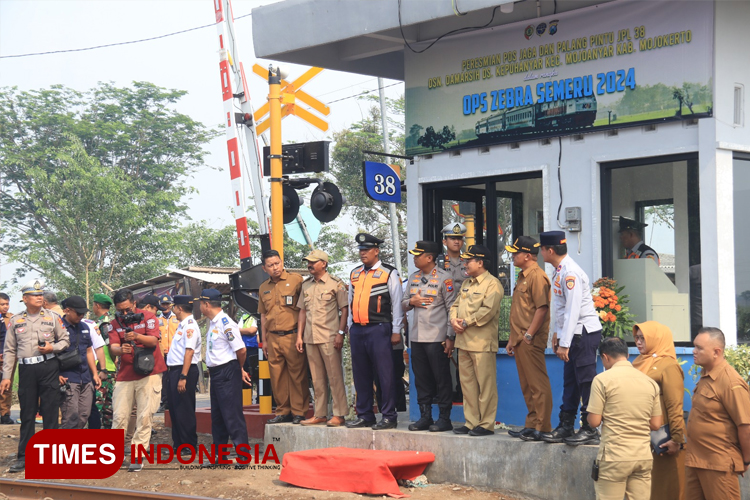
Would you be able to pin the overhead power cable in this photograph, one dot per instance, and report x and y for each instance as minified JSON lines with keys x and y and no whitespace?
{"x":116,"y":44}
{"x":365,"y":92}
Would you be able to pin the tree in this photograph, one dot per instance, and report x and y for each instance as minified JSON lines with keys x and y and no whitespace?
{"x":678,"y":94}
{"x":346,"y":171}
{"x":92,"y":181}
{"x":432,"y":139}
{"x":198,"y":245}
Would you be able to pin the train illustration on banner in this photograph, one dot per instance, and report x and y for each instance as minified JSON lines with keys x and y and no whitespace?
{"x":569,"y":114}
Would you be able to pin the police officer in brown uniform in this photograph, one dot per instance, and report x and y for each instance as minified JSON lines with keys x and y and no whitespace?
{"x":529,"y":330}
{"x":453,"y":239}
{"x":323,"y":311}
{"x":278,"y":310}
{"x":718,"y":430}
{"x":430,"y":295}
{"x":474,"y":317}
{"x":34,"y":338}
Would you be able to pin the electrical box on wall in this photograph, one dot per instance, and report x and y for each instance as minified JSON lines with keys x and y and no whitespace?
{"x":573,"y":219}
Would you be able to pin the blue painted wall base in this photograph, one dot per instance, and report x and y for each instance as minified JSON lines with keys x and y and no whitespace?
{"x":511,"y":408}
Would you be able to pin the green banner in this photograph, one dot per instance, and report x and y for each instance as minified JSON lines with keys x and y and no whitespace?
{"x":612,"y":65}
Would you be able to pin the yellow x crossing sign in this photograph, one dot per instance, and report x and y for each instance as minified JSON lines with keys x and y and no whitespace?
{"x":290,"y":94}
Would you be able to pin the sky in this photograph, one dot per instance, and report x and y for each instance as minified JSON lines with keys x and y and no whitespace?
{"x":187,"y":61}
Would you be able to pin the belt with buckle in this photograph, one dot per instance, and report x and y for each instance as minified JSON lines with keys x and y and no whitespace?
{"x":36,"y":359}
{"x":281,"y":334}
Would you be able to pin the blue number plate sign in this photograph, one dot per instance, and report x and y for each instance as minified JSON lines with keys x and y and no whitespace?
{"x":382,"y":182}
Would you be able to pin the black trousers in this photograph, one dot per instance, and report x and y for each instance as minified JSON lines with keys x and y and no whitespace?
{"x":399,"y":368}
{"x":432,"y":373}
{"x":251,"y":364}
{"x":182,"y":407}
{"x":227,"y":418}
{"x":38,"y":389}
{"x":165,"y":387}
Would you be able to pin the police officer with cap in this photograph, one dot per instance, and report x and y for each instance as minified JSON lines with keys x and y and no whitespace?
{"x":33,"y":339}
{"x":453,"y":239}
{"x":183,"y":360}
{"x":630,"y":237}
{"x":375,"y":321}
{"x":225,"y":358}
{"x":575,"y":341}
{"x":431,"y":295}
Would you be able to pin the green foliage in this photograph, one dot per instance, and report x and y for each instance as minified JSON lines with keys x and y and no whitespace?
{"x":432,"y":139}
{"x":346,"y":171}
{"x":650,"y":98}
{"x":93,"y":181}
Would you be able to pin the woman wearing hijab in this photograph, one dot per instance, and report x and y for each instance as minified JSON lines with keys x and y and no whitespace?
{"x":658,"y":360}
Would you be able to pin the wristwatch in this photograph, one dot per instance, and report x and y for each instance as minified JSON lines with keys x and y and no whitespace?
{"x":464,"y":324}
{"x":528,"y":336}
{"x":341,"y":332}
{"x":183,"y":377}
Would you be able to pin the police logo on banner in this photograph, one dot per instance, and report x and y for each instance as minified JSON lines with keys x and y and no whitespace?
{"x":553,"y":27}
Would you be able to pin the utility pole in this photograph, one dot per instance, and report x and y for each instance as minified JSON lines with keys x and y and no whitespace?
{"x":277,"y":196}
{"x":391,"y":206}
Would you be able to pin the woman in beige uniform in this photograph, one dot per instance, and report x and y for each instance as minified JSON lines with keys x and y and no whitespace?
{"x":658,"y":360}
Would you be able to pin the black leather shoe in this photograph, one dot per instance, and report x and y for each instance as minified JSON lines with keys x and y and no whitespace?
{"x":385,"y":423}
{"x":585,"y":435}
{"x":360,"y":422}
{"x":461,"y":430}
{"x":480,"y":431}
{"x":534,"y":435}
{"x":18,"y":466}
{"x":281,"y":419}
{"x":297,"y":419}
{"x":6,"y":420}
{"x":517,"y":434}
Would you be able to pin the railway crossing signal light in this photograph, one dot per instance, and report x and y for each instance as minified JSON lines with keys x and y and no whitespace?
{"x":291,"y":203}
{"x":326,"y":202}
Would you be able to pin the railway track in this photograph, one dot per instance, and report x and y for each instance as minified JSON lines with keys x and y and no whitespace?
{"x":22,"y":489}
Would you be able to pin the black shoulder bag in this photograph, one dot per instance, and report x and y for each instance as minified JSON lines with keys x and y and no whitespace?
{"x":143,"y":359}
{"x":71,"y":358}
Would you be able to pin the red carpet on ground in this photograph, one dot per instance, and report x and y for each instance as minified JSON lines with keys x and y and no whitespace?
{"x":348,"y":469}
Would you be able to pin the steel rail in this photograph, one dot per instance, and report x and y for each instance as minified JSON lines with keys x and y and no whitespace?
{"x":22,"y":489}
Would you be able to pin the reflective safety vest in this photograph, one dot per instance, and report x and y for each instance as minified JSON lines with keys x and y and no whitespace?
{"x":371,"y":299}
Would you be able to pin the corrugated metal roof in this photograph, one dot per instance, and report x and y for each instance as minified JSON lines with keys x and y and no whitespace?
{"x":220,"y":278}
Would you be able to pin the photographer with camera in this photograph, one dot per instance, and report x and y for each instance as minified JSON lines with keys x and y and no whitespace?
{"x":135,"y":338}
{"x":78,"y":375}
{"x":34,"y":338}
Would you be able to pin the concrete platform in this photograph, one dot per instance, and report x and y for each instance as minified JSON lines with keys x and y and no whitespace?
{"x":255,"y":421}
{"x":537,"y":469}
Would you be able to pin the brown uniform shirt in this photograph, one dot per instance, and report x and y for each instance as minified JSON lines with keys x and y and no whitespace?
{"x":278,"y":301}
{"x":322,"y":300}
{"x":721,"y":403}
{"x":25,"y":331}
{"x":670,"y":377}
{"x":626,"y":399}
{"x":478,"y":303}
{"x":531,"y":292}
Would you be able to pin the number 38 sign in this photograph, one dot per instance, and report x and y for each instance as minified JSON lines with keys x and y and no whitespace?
{"x":382,"y":182}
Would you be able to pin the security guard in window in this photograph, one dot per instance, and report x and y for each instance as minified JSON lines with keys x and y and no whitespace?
{"x":375,"y":320}
{"x":631,"y":238}
{"x":34,"y":338}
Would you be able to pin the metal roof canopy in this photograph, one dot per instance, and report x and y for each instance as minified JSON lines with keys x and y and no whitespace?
{"x":364,"y":36}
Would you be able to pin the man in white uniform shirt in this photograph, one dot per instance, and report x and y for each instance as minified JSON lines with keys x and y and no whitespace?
{"x":183,"y":358}
{"x":225,"y":357}
{"x":576,"y":338}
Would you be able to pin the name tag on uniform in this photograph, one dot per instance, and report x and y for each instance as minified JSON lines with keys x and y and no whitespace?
{"x":288,"y":300}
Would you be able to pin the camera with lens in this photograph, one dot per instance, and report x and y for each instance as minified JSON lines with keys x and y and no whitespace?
{"x":64,"y":388}
{"x":129,"y":318}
